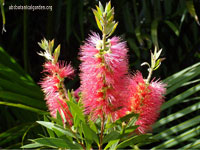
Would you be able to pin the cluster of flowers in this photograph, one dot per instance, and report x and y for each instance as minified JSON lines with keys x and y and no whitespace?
{"x":107,"y":88}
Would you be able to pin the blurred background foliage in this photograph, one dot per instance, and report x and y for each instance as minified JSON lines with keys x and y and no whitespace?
{"x":171,"y":25}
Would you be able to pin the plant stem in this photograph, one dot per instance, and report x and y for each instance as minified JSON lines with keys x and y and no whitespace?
{"x":101,"y":135}
{"x":76,"y":137}
{"x":149,"y":76}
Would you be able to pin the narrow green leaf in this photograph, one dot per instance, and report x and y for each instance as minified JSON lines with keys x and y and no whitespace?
{"x":191,"y":10}
{"x":32,"y":145}
{"x":20,"y":88}
{"x":98,"y":23}
{"x":101,"y":7}
{"x":96,"y":14}
{"x":110,"y":14}
{"x":138,"y":35}
{"x":114,"y":135}
{"x":59,"y":128}
{"x":39,"y":111}
{"x":180,"y":97}
{"x":125,"y":118}
{"x":112,"y":144}
{"x":13,"y":133}
{"x":76,"y":110}
{"x":127,"y":16}
{"x":193,"y":145}
{"x":154,"y":34}
{"x":178,"y":79}
{"x":131,"y":129}
{"x":157,"y":65}
{"x":89,"y":133}
{"x":134,"y":140}
{"x":25,"y":100}
{"x":56,"y":53}
{"x":173,"y":27}
{"x":133,"y":46}
{"x":177,"y":115}
{"x":180,"y":138}
{"x":108,"y":7}
{"x":113,"y":29}
{"x":175,"y":129}
{"x":51,"y":133}
{"x":57,"y":143}
{"x":8,"y":61}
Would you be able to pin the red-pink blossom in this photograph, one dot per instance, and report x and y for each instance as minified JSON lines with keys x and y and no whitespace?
{"x":53,"y":87}
{"x":146,"y":100}
{"x":103,"y":77}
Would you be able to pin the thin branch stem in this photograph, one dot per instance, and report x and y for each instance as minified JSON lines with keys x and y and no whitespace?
{"x":149,"y":76}
{"x":101,"y":135}
{"x":76,"y":137}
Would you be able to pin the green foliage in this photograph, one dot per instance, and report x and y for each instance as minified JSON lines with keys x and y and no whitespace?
{"x":84,"y":134}
{"x":20,"y":101}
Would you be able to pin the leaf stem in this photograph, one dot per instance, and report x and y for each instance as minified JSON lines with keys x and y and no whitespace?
{"x":149,"y":75}
{"x":101,"y":135}
{"x":76,"y":137}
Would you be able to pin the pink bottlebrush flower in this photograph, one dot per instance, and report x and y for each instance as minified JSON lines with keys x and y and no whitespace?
{"x":103,"y":77}
{"x":53,"y":87}
{"x":146,"y":100}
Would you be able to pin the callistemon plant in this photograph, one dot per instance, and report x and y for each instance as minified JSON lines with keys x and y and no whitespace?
{"x":112,"y":108}
{"x":145,"y":97}
{"x":53,"y":82}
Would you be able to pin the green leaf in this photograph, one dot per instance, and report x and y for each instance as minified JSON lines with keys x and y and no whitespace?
{"x":125,"y":118}
{"x":56,"y":53}
{"x":110,"y":14}
{"x":180,"y":127}
{"x":9,"y":96}
{"x":127,"y":16}
{"x":154,"y":34}
{"x":138,"y":35}
{"x":20,"y":88}
{"x":176,"y":80}
{"x":180,"y":138}
{"x":113,"y":29}
{"x":101,"y":7}
{"x":157,"y":65}
{"x":133,"y":140}
{"x":191,"y":9}
{"x":8,"y":61}
{"x":56,"y":128}
{"x":173,"y":27}
{"x":51,"y":133}
{"x":57,"y":143}
{"x":114,"y":135}
{"x":193,"y":145}
{"x":13,"y":133}
{"x":89,"y":133}
{"x":130,"y":129}
{"x":39,"y":111}
{"x":76,"y":111}
{"x":98,"y":23}
{"x":32,"y":145}
{"x":180,"y":97}
{"x":108,"y":7}
{"x":177,"y":115}
{"x":112,"y":144}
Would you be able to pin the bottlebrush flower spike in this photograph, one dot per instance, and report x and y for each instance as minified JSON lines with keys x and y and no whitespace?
{"x":103,"y":77}
{"x":145,"y":99}
{"x":53,"y":82}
